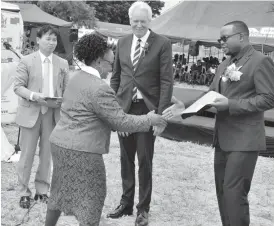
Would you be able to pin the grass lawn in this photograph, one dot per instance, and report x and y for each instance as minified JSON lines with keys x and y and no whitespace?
{"x":183,"y":188}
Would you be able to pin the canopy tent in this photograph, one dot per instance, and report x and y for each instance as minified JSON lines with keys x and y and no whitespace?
{"x":9,"y":7}
{"x":34,"y":17}
{"x":119,"y":30}
{"x":33,"y":14}
{"x":266,"y":48}
{"x":202,"y":20}
{"x":112,"y":30}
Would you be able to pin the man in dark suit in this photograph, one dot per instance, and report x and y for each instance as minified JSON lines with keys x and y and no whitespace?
{"x":239,"y":129}
{"x":142,"y":79}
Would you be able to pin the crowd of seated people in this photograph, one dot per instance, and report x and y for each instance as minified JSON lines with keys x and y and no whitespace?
{"x":201,"y":72}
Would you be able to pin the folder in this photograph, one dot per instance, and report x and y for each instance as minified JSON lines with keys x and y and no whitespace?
{"x":201,"y":104}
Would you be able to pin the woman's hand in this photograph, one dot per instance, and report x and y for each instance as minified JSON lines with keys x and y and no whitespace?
{"x":157,"y":120}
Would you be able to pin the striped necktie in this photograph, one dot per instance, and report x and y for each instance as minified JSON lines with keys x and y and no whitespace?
{"x":137,"y":54}
{"x":136,"y":58}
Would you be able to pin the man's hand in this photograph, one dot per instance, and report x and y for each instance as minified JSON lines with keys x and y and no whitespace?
{"x":59,"y":101}
{"x":39,"y":98}
{"x":158,"y":130}
{"x":123,"y":134}
{"x":174,"y":110}
{"x":221,"y":104}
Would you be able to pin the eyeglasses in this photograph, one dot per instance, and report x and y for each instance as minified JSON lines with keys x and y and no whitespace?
{"x":111,"y":63}
{"x":225,"y":38}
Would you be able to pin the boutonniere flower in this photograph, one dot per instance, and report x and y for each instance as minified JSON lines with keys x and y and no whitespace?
{"x":232,"y":72}
{"x":145,"y":48}
{"x":62,"y":73}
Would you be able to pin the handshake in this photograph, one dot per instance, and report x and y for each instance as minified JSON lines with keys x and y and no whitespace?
{"x":159,"y":122}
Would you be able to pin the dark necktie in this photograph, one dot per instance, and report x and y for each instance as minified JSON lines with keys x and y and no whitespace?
{"x":136,"y":58}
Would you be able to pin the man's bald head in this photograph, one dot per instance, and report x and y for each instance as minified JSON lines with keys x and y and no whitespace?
{"x":239,"y":27}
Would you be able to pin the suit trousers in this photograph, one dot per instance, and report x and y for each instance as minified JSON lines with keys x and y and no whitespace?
{"x":233,"y":176}
{"x":143,"y":143}
{"x":28,"y":142}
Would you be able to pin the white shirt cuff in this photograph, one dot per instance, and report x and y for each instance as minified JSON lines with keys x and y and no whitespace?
{"x":31,"y":96}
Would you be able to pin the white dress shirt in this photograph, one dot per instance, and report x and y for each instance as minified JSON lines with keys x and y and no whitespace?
{"x":43,"y":57}
{"x":133,"y":46}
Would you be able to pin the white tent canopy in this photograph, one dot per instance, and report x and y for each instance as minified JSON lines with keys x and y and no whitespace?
{"x":202,"y":20}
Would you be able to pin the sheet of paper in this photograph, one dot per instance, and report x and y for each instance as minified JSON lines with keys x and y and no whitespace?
{"x":202,"y":103}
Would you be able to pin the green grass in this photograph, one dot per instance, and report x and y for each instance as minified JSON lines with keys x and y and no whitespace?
{"x":183,"y":188}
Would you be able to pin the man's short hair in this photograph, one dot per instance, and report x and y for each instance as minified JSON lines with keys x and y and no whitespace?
{"x":140,"y":5}
{"x":47,"y":28}
{"x":239,"y":26}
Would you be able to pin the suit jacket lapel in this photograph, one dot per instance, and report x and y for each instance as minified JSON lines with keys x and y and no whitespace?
{"x":38,"y":65}
{"x":220,"y":73}
{"x":55,"y":66}
{"x":128,"y":50}
{"x":143,"y":55}
{"x":245,"y":58}
{"x":241,"y":63}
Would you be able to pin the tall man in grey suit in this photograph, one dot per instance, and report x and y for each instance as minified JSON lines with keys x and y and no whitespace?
{"x":239,"y":129}
{"x":142,"y":79}
{"x":39,"y":75}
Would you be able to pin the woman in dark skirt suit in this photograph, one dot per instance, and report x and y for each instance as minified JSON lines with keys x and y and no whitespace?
{"x":88,"y":114}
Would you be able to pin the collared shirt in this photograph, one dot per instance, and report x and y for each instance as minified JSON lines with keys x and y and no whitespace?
{"x":43,"y":57}
{"x":240,"y":54}
{"x":133,"y":46}
{"x":234,"y":59}
{"x":134,"y":43}
{"x":90,"y":70}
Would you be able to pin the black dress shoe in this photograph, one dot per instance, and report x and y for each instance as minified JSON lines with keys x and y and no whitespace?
{"x":121,"y":210}
{"x":41,"y":197}
{"x":142,"y":219}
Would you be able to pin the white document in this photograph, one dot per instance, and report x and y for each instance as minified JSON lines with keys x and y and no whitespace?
{"x":202,"y":103}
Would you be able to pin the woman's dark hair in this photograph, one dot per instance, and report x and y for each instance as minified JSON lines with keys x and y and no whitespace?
{"x":90,"y":47}
{"x":47,"y":28}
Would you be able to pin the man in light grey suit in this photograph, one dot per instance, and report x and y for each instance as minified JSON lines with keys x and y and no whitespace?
{"x":39,"y":75}
{"x":239,"y":129}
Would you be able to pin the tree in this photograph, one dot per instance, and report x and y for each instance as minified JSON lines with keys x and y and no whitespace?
{"x":77,"y":12}
{"x":117,"y":11}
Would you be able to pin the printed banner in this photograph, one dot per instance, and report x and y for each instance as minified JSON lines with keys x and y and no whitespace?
{"x":11,"y":32}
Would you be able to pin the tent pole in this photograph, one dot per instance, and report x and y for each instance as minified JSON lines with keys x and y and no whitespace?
{"x":265,"y":40}
{"x":183,"y":46}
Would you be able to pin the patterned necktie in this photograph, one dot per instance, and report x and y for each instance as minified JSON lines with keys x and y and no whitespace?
{"x":136,"y":58}
{"x":46,"y":82}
